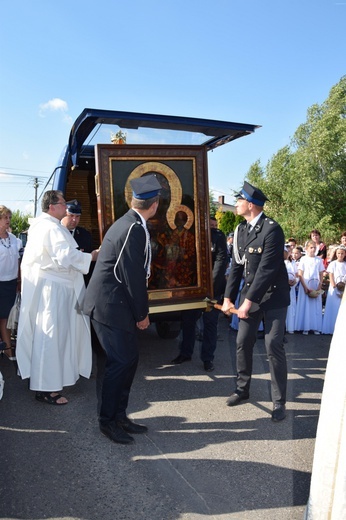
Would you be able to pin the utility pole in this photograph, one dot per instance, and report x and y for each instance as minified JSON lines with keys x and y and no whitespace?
{"x":36,"y":185}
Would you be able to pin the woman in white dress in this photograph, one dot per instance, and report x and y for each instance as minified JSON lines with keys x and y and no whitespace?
{"x":337,"y":277}
{"x":309,"y":310}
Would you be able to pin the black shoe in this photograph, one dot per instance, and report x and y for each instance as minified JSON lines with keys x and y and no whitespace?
{"x":180,"y":359}
{"x":116,"y":434}
{"x":235,"y":398}
{"x":130,"y":427}
{"x":279,"y":412}
{"x":208,"y":366}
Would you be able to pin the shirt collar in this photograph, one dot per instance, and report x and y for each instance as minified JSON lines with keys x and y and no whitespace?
{"x":254,"y":221}
{"x":142,"y":219}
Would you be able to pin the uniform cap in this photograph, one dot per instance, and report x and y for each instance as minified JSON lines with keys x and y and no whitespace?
{"x":230,"y":235}
{"x":145,"y":187}
{"x":251,"y":194}
{"x":74,"y":207}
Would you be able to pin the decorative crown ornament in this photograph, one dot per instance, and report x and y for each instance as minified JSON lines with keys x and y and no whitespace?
{"x":119,"y":137}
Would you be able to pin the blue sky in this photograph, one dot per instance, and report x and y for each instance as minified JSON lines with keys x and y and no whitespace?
{"x":250,"y":61}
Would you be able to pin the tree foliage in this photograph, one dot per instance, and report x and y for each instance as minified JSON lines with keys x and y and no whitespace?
{"x":212,"y":204}
{"x":19,"y":222}
{"x":227,"y":222}
{"x":305,"y":182}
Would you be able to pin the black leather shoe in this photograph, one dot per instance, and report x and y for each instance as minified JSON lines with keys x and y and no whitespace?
{"x":180,"y":359}
{"x":208,"y":366}
{"x":130,"y":427}
{"x":279,"y":412}
{"x":116,"y":434}
{"x":235,"y":398}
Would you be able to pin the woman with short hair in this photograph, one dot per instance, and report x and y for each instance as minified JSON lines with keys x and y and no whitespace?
{"x":9,"y":276}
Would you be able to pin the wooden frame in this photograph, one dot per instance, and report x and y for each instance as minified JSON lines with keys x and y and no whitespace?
{"x":181,"y":259}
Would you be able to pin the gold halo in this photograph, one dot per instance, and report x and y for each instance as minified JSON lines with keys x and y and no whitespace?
{"x":173,"y":181}
{"x":189,"y":213}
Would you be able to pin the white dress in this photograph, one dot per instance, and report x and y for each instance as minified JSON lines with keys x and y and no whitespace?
{"x":328,"y":481}
{"x":333,"y":300}
{"x":309,"y":310}
{"x":291,"y":310}
{"x":53,"y":339}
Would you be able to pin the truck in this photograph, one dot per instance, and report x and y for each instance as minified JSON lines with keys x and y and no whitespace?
{"x":106,"y":150}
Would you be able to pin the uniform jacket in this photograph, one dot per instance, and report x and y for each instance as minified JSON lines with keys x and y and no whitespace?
{"x":85,"y":243}
{"x":117,"y":292}
{"x":219,"y":261}
{"x":264,"y":271}
{"x":84,"y":239}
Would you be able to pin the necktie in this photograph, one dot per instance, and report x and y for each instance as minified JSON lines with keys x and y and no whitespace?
{"x":249,"y":227}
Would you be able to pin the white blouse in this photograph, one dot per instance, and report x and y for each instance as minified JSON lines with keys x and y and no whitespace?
{"x":9,"y":255}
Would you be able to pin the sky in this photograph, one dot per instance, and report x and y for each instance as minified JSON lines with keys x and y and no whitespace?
{"x":262,"y":62}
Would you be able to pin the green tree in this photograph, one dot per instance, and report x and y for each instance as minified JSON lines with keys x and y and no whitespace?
{"x":305,"y":181}
{"x":227,"y":222}
{"x":212,"y":204}
{"x":19,"y":222}
{"x":238,"y":219}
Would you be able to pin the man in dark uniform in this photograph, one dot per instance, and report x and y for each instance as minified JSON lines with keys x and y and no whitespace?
{"x":210,"y":319}
{"x":81,"y":235}
{"x":230,"y":238}
{"x":117,"y":302}
{"x":258,"y":257}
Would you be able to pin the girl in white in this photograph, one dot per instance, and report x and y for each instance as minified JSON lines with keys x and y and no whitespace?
{"x":310,"y":273}
{"x":337,"y":273}
{"x":292,"y":280}
{"x":297,"y":253}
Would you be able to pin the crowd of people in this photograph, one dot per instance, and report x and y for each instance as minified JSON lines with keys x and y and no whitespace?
{"x":55,"y":289}
{"x":264,"y":281}
{"x":267,"y":280}
{"x":317,"y":277}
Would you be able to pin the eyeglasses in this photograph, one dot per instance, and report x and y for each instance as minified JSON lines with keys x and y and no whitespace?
{"x":56,"y":203}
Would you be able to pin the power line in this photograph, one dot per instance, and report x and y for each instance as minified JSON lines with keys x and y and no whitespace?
{"x":22,"y":170}
{"x":35,"y":183}
{"x":20,"y":175}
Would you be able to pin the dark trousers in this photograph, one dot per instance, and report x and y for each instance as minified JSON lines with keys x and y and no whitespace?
{"x":274,"y":320}
{"x":210,"y":321}
{"x":189,"y":319}
{"x":122,"y":355}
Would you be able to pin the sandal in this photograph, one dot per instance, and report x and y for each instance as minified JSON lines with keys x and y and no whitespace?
{"x":46,"y":397}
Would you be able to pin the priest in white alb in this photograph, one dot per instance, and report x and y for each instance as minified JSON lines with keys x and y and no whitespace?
{"x":327,"y":499}
{"x":53,"y":339}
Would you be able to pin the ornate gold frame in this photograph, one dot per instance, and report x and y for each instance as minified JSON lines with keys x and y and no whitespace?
{"x":183,"y":170}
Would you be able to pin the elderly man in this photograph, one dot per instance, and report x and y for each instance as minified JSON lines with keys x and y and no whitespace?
{"x":53,"y":341}
{"x":117,"y":302}
{"x":258,"y":258}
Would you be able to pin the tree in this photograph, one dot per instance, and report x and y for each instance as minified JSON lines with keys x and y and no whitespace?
{"x":305,"y":181}
{"x":212,"y":204}
{"x":19,"y":222}
{"x":227,"y":222}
